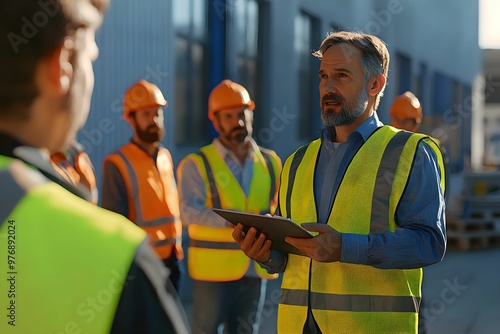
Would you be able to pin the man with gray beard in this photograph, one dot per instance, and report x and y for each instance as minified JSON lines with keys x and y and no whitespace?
{"x":373,"y":197}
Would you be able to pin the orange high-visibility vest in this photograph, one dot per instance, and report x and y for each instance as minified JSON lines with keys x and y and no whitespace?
{"x":81,"y":172}
{"x":153,"y":201}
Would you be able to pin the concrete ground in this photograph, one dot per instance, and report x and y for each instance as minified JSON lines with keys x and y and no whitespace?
{"x":462,"y":295}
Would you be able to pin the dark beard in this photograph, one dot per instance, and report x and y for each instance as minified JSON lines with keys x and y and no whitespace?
{"x":149,"y":137}
{"x":237,"y":135}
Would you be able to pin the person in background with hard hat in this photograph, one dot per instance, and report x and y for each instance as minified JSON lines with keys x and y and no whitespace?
{"x":75,"y":167}
{"x":406,"y":112}
{"x":67,"y":265}
{"x":138,"y":179}
{"x":231,"y":173}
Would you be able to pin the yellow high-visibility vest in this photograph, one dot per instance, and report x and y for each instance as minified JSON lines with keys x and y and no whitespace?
{"x":213,"y":254}
{"x":344,"y":297}
{"x":51,"y":241}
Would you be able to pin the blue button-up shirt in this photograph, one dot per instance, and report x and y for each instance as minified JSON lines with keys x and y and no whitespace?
{"x":191,"y":185}
{"x":420,"y":237}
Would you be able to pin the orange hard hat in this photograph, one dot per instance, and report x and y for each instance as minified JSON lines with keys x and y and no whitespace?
{"x":407,"y":105}
{"x":227,"y":95}
{"x":142,"y":95}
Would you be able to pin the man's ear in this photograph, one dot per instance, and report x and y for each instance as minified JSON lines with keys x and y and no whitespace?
{"x":59,"y":70}
{"x":376,"y":84}
{"x":131,"y":120}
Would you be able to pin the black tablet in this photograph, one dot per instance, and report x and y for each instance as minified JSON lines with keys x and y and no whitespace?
{"x":275,"y":228}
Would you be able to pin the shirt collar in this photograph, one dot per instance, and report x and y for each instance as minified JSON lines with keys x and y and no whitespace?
{"x":155,"y":154}
{"x":369,"y":126}
{"x":223,"y":151}
{"x":364,"y":130}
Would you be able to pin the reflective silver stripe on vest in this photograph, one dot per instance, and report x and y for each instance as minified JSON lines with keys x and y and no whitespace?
{"x":383,"y":183}
{"x":269,"y":163}
{"x":297,"y":159}
{"x":351,"y":303}
{"x":138,"y":208}
{"x":150,"y":264}
{"x":213,"y":244}
{"x":384,"y":180}
{"x":16,"y":181}
{"x":157,"y":222}
{"x":211,"y":182}
{"x":216,"y":203}
{"x":10,"y":194}
{"x":164,"y":242}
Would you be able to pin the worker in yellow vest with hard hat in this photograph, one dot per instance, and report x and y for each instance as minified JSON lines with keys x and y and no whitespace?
{"x":138,"y":179}
{"x":233,"y":172}
{"x":373,"y":197}
{"x":67,"y":266}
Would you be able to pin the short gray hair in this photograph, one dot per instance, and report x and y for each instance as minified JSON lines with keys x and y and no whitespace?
{"x":375,"y":56}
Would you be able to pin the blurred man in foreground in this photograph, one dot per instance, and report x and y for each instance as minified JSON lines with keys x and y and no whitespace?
{"x":68,"y":266}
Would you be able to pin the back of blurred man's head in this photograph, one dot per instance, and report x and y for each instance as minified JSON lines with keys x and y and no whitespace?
{"x":30,"y":30}
{"x":33,"y":34}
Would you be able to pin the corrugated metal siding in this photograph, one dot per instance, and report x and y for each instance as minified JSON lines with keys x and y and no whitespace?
{"x":134,"y":44}
{"x":137,"y":41}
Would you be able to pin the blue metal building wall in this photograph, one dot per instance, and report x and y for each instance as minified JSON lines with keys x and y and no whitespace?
{"x":137,"y":41}
{"x":217,"y":37}
{"x":134,"y":43}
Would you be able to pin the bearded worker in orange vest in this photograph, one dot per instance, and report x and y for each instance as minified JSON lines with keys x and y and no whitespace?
{"x":138,"y":179}
{"x":231,"y":173}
